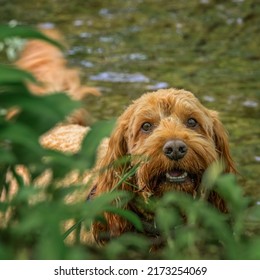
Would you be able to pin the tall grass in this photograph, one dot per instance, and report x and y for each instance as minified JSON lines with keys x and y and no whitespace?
{"x":31,"y":218}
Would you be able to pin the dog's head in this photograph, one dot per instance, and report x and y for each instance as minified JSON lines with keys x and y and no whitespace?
{"x":173,"y":138}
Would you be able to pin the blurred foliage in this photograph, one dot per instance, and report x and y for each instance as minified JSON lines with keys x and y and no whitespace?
{"x":31,"y":218}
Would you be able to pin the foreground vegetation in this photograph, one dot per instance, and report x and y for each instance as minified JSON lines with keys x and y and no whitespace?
{"x":30,"y":227}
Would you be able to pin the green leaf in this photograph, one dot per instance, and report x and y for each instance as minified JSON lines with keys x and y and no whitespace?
{"x":98,"y":131}
{"x":53,"y":107}
{"x":211,"y":175}
{"x":127,"y":174}
{"x":20,"y":134}
{"x":127,"y":246}
{"x":25,"y":32}
{"x":128,"y":215}
{"x":39,"y":112}
{"x":253,"y":214}
{"x":6,"y":156}
{"x":167,"y":219}
{"x":103,"y":202}
{"x":233,"y":194}
{"x":10,"y":74}
{"x":92,"y":209}
{"x":60,"y":164}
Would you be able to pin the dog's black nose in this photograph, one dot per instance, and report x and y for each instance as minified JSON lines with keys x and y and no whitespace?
{"x":175,"y":149}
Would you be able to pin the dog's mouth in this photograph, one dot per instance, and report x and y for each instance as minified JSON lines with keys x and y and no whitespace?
{"x":174,"y":180}
{"x":177,"y":176}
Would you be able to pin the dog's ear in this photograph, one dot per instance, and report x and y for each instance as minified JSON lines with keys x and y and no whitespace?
{"x":117,"y":146}
{"x":110,"y":167}
{"x":111,"y":170}
{"x":222,"y":144}
{"x":222,"y":147}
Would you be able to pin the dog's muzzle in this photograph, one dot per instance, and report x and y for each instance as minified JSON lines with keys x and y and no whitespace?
{"x":175,"y":149}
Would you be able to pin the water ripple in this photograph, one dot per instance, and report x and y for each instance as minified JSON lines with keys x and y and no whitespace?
{"x":257,"y":158}
{"x":137,"y":56}
{"x":86,"y":63}
{"x":115,"y":77}
{"x":209,"y":98}
{"x":250,"y":104}
{"x":78,"y":22}
{"x":158,"y":85}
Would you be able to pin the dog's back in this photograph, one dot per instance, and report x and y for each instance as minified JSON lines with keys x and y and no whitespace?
{"x":49,"y":66}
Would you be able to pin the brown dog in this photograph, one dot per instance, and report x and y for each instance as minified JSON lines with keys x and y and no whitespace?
{"x":174,"y":139}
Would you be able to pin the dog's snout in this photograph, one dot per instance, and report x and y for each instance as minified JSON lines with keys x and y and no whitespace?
{"x":175,"y":149}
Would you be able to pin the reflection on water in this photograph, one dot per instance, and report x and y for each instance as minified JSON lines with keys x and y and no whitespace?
{"x":129,"y":47}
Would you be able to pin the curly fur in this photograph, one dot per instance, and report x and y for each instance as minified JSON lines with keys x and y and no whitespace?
{"x":167,"y":111}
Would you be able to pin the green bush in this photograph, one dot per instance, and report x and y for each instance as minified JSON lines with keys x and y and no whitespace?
{"x":32,"y":229}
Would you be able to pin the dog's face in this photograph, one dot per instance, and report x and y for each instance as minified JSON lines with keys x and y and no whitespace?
{"x":175,"y":133}
{"x":174,"y":139}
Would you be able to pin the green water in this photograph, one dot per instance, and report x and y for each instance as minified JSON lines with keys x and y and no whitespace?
{"x":129,"y":47}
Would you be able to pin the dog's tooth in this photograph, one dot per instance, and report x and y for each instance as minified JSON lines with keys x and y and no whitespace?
{"x":176,"y":178}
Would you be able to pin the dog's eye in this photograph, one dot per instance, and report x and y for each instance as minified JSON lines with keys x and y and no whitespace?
{"x":192,"y":123}
{"x":146,"y":127}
